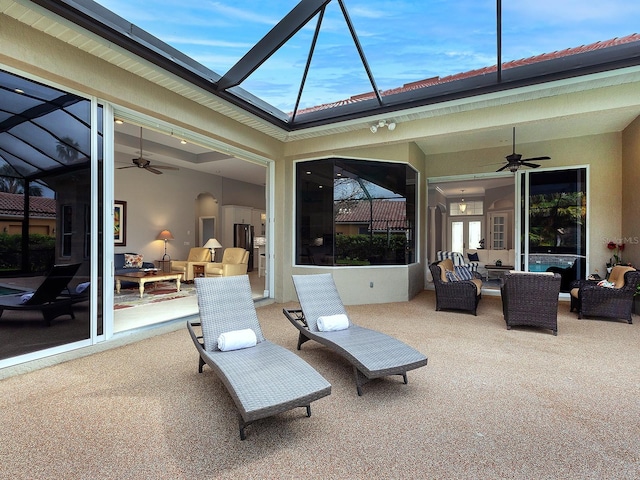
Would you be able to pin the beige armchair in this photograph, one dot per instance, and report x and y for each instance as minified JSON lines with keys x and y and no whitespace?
{"x":234,"y":262}
{"x":197,"y":255}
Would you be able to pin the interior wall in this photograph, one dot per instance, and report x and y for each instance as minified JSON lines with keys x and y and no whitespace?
{"x":170,"y":200}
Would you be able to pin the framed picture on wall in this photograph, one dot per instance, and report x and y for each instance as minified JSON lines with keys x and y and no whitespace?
{"x":120,"y":223}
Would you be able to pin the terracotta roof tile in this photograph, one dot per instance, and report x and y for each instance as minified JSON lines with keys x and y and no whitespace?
{"x":428,"y":82}
{"x":386,"y":214}
{"x":12,"y":204}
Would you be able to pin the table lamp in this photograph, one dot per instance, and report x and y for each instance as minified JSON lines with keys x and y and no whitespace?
{"x":212,"y":244}
{"x":165,"y":235}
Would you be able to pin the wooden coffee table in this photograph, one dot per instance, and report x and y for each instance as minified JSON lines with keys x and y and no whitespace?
{"x":146,"y":277}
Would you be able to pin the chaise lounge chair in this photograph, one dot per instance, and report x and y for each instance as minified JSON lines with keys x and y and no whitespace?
{"x":263,"y":380}
{"x":48,"y":298}
{"x":373,"y":354}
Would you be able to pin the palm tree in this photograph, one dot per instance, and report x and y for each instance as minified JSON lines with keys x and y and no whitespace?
{"x":11,"y":182}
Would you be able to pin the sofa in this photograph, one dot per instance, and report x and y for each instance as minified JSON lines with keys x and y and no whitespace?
{"x":489,"y":257}
{"x":130,"y":262}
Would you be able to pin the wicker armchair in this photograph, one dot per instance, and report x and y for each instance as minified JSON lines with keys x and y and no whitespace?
{"x":461,"y":295}
{"x":531,"y":299}
{"x":590,"y":299}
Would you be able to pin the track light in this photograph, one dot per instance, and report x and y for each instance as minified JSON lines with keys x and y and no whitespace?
{"x":381,"y":124}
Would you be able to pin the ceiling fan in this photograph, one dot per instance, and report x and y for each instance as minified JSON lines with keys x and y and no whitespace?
{"x":142,"y":162}
{"x":515,"y":160}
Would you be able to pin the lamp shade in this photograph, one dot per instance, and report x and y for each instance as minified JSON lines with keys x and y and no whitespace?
{"x":165,"y":235}
{"x":212,"y":243}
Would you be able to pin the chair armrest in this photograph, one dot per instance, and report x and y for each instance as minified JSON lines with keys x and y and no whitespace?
{"x":212,"y":268}
{"x":234,"y":269}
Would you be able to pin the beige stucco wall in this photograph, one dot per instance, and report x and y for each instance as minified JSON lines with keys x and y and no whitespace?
{"x":630,"y":227}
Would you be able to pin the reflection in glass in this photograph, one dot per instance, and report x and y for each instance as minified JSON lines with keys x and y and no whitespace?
{"x":355,"y":213}
{"x":557,"y":223}
{"x":45,"y":188}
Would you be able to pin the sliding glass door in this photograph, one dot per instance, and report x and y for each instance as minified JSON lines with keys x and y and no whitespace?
{"x":554,"y":226}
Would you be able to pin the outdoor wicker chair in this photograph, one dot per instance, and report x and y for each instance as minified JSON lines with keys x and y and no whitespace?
{"x":373,"y":354}
{"x":531,"y":299}
{"x":593,"y":300}
{"x":459,"y":295}
{"x":263,"y":380}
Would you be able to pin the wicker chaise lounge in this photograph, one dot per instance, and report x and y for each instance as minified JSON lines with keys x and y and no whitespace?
{"x":373,"y":354}
{"x":49,"y":298}
{"x":263,"y":380}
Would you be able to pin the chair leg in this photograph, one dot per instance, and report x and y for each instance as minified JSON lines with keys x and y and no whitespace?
{"x":200,"y":364}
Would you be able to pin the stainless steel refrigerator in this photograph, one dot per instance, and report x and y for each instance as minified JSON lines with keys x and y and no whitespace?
{"x":243,"y":238}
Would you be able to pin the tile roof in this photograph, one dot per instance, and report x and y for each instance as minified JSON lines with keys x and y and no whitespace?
{"x":429,"y":82}
{"x":12,"y":204}
{"x":386,"y":214}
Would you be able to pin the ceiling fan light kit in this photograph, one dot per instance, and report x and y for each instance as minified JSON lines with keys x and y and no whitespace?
{"x":515,"y":160}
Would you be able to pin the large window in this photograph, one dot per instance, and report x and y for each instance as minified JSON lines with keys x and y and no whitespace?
{"x":353,"y":212}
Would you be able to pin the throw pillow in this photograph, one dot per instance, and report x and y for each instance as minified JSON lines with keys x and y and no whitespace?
{"x":607,"y":284}
{"x":132,"y":260}
{"x":473,"y":257}
{"x":463,"y":272}
{"x":451,"y":276}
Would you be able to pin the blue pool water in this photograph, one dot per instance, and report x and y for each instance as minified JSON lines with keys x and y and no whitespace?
{"x":542,"y":267}
{"x":538,"y":267}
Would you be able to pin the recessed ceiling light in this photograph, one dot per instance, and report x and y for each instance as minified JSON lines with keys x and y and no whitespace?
{"x":118,"y":121}
{"x":183,"y":141}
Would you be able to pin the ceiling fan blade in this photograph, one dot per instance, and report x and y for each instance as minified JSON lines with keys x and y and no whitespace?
{"x":532,"y":165}
{"x":503,"y":167}
{"x":162,"y":167}
{"x":535,"y":159}
{"x":128,"y":166}
{"x":153,"y":170}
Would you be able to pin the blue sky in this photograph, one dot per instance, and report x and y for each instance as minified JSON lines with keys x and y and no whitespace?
{"x":404,"y":41}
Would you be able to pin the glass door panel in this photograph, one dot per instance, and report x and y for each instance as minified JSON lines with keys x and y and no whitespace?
{"x":465,"y":233}
{"x":556,"y":223}
{"x":457,"y":236}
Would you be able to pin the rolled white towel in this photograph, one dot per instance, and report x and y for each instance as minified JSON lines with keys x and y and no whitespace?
{"x":26,"y":297}
{"x":237,"y":339}
{"x":332,"y":323}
